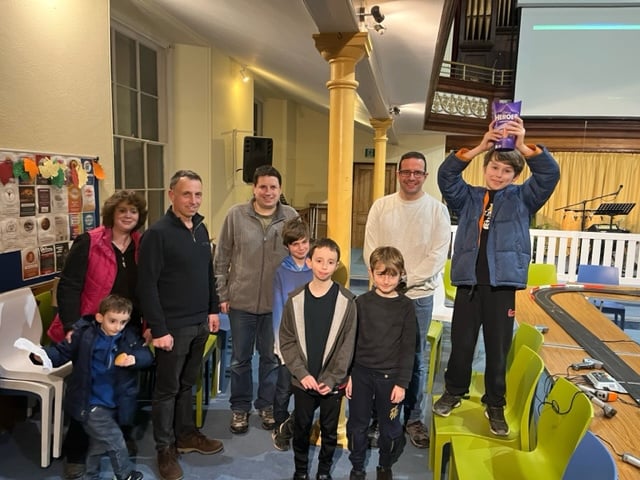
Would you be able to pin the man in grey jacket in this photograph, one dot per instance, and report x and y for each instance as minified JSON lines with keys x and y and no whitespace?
{"x":248,"y":252}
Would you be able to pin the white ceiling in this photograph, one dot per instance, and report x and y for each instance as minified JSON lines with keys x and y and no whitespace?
{"x":273,"y":38}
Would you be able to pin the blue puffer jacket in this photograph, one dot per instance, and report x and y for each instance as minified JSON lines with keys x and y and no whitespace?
{"x":508,"y":242}
{"x":80,"y":352}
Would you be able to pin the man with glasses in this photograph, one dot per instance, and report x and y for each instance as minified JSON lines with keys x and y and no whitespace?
{"x":418,"y":225}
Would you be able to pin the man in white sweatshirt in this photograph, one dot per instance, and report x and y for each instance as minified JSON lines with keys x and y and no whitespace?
{"x":419,"y":226}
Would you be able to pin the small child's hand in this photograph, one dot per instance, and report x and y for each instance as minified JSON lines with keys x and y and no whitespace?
{"x":397,"y":394}
{"x":348,"y":389}
{"x":124,"y":360}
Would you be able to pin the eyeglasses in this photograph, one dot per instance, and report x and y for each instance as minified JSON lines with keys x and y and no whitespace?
{"x":415,"y":173}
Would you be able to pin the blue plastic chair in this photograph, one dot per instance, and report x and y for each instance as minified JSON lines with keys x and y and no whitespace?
{"x":603,"y":275}
{"x":591,"y":460}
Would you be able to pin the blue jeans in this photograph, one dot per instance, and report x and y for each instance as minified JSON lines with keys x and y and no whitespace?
{"x":414,"y":399}
{"x":105,"y":437}
{"x":249,"y":332}
{"x":176,"y":374}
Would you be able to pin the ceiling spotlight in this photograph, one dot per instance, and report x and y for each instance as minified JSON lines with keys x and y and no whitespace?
{"x":243,"y":74}
{"x":377,"y":16}
{"x":375,"y":13}
{"x":394,"y":110}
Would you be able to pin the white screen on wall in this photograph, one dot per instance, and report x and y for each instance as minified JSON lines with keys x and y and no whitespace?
{"x":579,"y":62}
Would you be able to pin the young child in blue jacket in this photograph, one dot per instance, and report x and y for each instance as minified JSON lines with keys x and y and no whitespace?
{"x":292,"y":273}
{"x":492,"y":251}
{"x":102,"y":389}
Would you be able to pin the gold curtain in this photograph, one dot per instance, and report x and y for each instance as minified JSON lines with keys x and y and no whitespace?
{"x":583,"y":176}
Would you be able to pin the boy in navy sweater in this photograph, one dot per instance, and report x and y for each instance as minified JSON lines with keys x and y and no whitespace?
{"x":102,"y":388}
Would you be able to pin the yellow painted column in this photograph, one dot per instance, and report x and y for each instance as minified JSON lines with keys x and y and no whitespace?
{"x":380,"y":126}
{"x":342,"y":51}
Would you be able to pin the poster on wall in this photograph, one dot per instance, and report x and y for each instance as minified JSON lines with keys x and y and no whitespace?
{"x":46,"y":201}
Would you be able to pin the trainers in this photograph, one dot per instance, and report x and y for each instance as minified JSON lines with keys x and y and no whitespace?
{"x":73,"y":470}
{"x":268,"y":422}
{"x":134,"y":475}
{"x":168,"y":465}
{"x":198,"y":442}
{"x":446,"y":403}
{"x":418,"y":434}
{"x":279,"y":441}
{"x":239,"y":422}
{"x":286,"y":427}
{"x":323,"y":476}
{"x":497,"y":423}
{"x":384,"y":473}
{"x":358,"y":475}
{"x":373,"y":434}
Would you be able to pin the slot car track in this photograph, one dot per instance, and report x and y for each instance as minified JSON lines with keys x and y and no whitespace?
{"x":597,"y":349}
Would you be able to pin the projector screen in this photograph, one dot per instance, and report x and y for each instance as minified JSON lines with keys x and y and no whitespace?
{"x":579,"y":62}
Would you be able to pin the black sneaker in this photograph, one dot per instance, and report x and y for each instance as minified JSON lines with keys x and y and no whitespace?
{"x":239,"y":422}
{"x":134,"y":475}
{"x":268,"y":422}
{"x":497,"y":424}
{"x":446,"y":403}
{"x":280,"y":442}
{"x":358,"y":475}
{"x":418,"y":434}
{"x":286,"y":428}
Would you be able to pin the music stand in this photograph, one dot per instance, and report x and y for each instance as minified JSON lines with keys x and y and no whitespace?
{"x":613,"y":209}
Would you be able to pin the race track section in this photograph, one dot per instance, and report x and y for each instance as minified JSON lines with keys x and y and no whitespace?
{"x":614,"y":365}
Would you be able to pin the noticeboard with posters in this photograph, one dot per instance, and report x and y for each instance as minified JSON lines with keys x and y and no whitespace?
{"x":46,"y":201}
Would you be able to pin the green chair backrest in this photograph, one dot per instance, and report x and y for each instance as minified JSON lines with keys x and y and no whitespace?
{"x":449,"y":289}
{"x":522,"y":380}
{"x":47,"y":314}
{"x":525,"y":335}
{"x":564,"y":420}
{"x":542,"y":274}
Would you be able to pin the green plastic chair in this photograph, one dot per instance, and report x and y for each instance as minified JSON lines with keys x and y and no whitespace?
{"x":563,"y":422}
{"x":542,"y":274}
{"x":210,"y":348}
{"x":47,"y":313}
{"x":525,"y":335}
{"x":469,"y":419}
{"x":434,"y":337}
{"x":449,"y":289}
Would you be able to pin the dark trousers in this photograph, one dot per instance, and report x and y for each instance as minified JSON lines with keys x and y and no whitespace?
{"x":176,"y":374}
{"x":76,"y":442}
{"x":369,"y":388}
{"x":282,"y":396}
{"x":493,"y":309}
{"x":251,"y":331}
{"x":106,"y":439}
{"x":305,"y":407}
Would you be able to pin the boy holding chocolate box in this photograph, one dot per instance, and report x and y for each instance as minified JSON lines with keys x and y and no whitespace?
{"x":491,"y":257}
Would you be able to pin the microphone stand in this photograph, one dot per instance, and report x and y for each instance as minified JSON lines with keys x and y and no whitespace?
{"x":584,"y":205}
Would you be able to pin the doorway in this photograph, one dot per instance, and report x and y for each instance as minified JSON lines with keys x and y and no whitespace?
{"x":362,"y":182}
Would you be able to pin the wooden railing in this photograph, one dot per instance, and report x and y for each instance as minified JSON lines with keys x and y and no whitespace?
{"x":568,"y":249}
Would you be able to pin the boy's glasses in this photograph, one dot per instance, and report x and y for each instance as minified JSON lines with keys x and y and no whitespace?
{"x":415,"y":173}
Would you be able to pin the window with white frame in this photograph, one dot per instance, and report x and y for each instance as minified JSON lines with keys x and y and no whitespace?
{"x":139,"y":131}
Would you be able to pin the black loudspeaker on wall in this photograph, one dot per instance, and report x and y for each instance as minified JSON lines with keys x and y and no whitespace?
{"x":257,"y":151}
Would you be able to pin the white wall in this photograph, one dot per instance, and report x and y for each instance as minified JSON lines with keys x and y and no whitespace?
{"x":55,"y":77}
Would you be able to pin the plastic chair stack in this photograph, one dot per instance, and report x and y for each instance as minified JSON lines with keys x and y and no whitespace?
{"x":469,"y":419}
{"x":541,"y":274}
{"x":564,"y":420}
{"x":20,"y":317}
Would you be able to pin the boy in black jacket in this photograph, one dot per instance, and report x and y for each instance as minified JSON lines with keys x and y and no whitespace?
{"x":102,"y":388}
{"x":382,"y":364}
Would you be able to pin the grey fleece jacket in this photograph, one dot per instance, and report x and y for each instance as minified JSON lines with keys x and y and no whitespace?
{"x":247,"y":257}
{"x":338,"y":352}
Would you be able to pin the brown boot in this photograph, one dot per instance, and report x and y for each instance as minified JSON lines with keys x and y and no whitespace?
{"x":197,"y":442}
{"x":168,"y":465}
